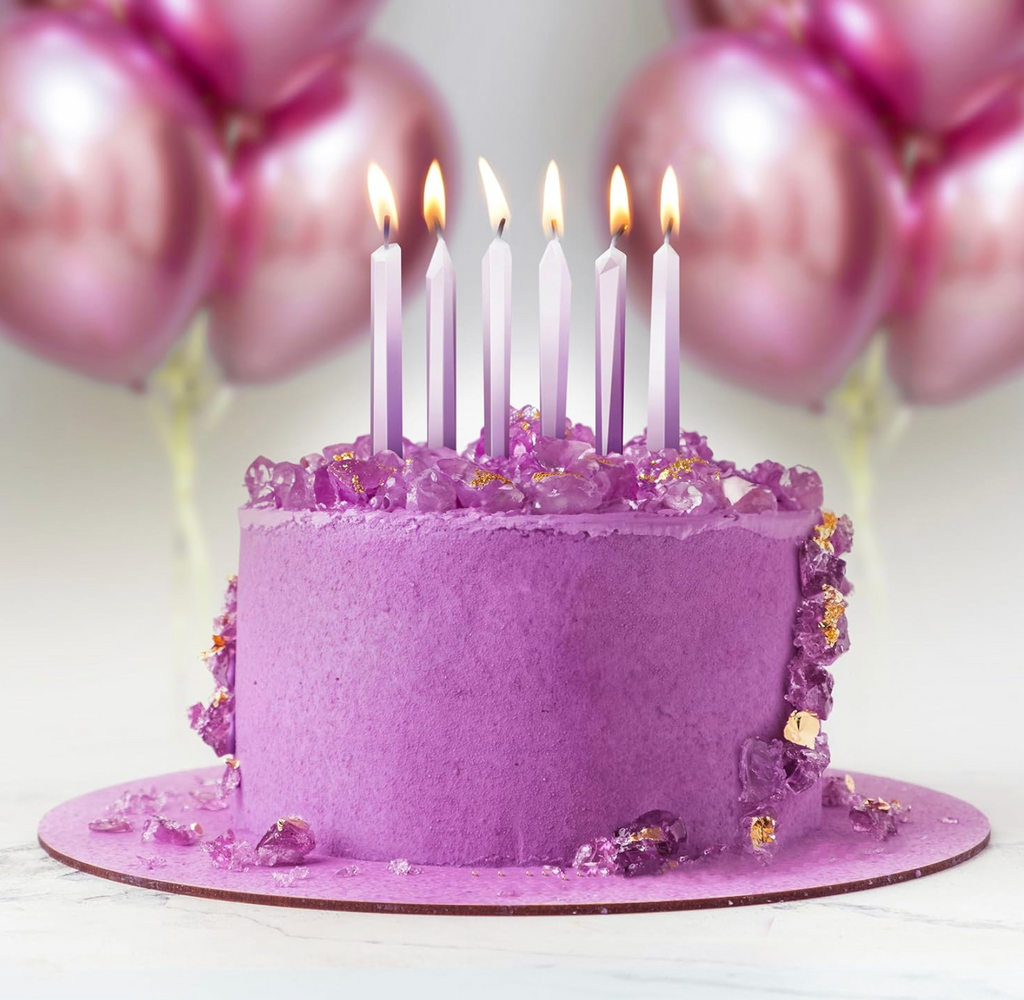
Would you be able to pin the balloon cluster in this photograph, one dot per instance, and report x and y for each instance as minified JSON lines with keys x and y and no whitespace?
{"x":846,"y":165}
{"x":157,"y":156}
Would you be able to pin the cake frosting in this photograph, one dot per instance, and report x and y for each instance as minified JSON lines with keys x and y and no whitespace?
{"x":462,"y":660}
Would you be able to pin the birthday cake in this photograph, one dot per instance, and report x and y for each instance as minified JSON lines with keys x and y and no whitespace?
{"x":462,"y":660}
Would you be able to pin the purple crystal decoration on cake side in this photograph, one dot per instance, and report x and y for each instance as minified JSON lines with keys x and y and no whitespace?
{"x":762,"y":774}
{"x":805,"y":765}
{"x":647,"y":846}
{"x":810,"y":687}
{"x":287,"y":842}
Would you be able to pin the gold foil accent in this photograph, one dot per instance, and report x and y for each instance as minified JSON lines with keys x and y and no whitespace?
{"x":356,"y":484}
{"x":851,"y":785}
{"x":880,"y":805}
{"x":762,"y":832}
{"x":539,"y":477}
{"x":220,"y":696}
{"x":345,"y":456}
{"x":219,"y":642}
{"x":680,"y":465}
{"x":802,"y":728}
{"x":823,"y":532}
{"x":483,"y":477}
{"x":232,"y":762}
{"x":600,"y":459}
{"x":835,"y":608}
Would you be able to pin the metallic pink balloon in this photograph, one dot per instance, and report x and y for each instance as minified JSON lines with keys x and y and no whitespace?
{"x":789,"y":243}
{"x":933,"y":63}
{"x":958,"y":325}
{"x":788,"y":17}
{"x":110,"y":197}
{"x":298,"y":278}
{"x":253,"y":53}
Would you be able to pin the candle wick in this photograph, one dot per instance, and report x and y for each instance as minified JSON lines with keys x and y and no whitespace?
{"x":501,"y":227}
{"x":438,"y":231}
{"x":668,"y":231}
{"x":617,"y":235}
{"x":387,"y":229}
{"x":554,"y":230}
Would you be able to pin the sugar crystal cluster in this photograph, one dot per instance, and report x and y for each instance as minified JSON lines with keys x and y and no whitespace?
{"x":540,"y":475}
{"x":770,"y":769}
{"x":215,"y":722}
{"x":649,"y":845}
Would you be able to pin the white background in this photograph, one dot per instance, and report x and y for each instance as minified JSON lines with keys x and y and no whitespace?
{"x":93,"y":691}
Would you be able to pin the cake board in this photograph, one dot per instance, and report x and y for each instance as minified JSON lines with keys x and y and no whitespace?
{"x":943,"y":832}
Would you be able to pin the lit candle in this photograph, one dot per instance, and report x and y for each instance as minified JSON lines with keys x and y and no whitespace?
{"x":610,"y":322}
{"x":440,"y":320}
{"x":385,"y":321}
{"x":555,"y":292}
{"x":497,"y":309}
{"x":663,"y":388}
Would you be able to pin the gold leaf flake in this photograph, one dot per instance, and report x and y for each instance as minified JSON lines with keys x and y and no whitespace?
{"x":483,"y":477}
{"x":762,"y":832}
{"x":679,"y":466}
{"x":802,"y":728}
{"x":851,"y":786}
{"x":345,"y":456}
{"x":823,"y":532}
{"x":834,"y":609}
{"x":539,"y":477}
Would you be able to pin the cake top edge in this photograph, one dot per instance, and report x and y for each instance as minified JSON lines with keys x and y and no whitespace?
{"x":540,"y":476}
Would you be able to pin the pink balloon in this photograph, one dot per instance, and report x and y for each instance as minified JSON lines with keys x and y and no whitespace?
{"x":785,"y":16}
{"x":110,"y":197}
{"x":933,"y":63}
{"x":790,"y":238}
{"x":253,"y":53}
{"x":959,"y":321}
{"x":298,"y":281}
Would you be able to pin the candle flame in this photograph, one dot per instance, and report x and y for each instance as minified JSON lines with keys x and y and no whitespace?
{"x":497,"y":207}
{"x":433,"y":197}
{"x":669,"y":202}
{"x":382,"y":199}
{"x":618,"y":203}
{"x":553,"y":217}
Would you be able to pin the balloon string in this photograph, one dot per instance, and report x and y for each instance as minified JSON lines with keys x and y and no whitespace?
{"x":181,"y":392}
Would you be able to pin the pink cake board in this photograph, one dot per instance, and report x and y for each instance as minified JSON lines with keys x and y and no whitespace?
{"x":943,"y":832}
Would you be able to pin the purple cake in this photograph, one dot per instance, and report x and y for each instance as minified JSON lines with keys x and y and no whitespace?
{"x":462,"y":660}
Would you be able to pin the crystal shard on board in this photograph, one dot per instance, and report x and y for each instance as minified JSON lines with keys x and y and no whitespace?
{"x":287,"y":842}
{"x":111,"y":824}
{"x":167,"y":831}
{"x":879,"y":818}
{"x":838,"y":790}
{"x":228,"y":852}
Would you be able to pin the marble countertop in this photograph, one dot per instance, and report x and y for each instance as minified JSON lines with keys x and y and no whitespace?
{"x":66,"y":934}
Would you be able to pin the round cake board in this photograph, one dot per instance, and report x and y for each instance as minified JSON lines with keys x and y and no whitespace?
{"x":942,"y":832}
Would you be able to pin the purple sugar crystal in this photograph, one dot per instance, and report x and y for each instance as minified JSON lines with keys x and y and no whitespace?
{"x":292,"y":486}
{"x":842,"y":536}
{"x":287,"y":842}
{"x":216,"y":722}
{"x":747,"y":497}
{"x":116,"y":823}
{"x":138,"y":803}
{"x":805,"y":765}
{"x":230,"y":853}
{"x":647,"y":846}
{"x":820,"y":568}
{"x":401,"y":866}
{"x":880,"y":818}
{"x":561,"y":492}
{"x":799,"y":488}
{"x":821,"y":629}
{"x":152,"y":861}
{"x":259,"y":482}
{"x":762,"y":774}
{"x":810,"y":687}
{"x":288,"y":878}
{"x":432,"y":490}
{"x":215,"y":795}
{"x":767,"y":474}
{"x":838,"y":790}
{"x":166,"y":831}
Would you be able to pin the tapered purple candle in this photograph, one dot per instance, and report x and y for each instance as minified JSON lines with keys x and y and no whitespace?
{"x":663,"y":388}
{"x":555,"y":293}
{"x":610,"y":323}
{"x":497,"y":309}
{"x":385,"y":321}
{"x":440,"y":320}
